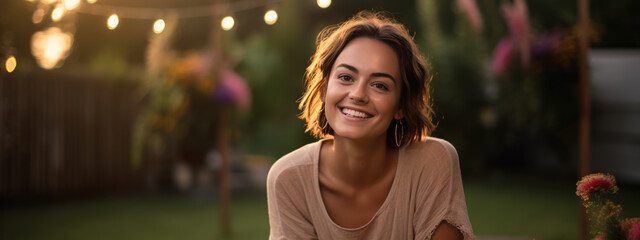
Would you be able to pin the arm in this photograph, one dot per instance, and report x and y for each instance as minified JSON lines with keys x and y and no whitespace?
{"x":445,"y":231}
{"x":288,"y":216}
{"x":441,"y":209}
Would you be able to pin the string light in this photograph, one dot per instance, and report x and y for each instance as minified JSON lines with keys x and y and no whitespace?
{"x":10,"y":64}
{"x":158,"y":26}
{"x":57,"y":13}
{"x":324,"y":3}
{"x":150,"y":13}
{"x":270,"y":17}
{"x":71,"y":4}
{"x":38,"y":15}
{"x":227,"y":23}
{"x":50,"y":46}
{"x":112,"y":22}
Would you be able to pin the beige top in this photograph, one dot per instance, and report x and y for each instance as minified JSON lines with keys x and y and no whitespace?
{"x":426,"y":190}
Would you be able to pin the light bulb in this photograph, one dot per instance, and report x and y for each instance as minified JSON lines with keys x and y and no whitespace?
{"x":271,"y":17}
{"x":112,"y":22}
{"x":324,"y":3}
{"x":10,"y":64}
{"x":227,"y":23}
{"x":71,"y":4}
{"x":158,"y":26}
{"x":57,"y":13}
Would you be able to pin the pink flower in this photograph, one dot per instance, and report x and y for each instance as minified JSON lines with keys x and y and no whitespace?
{"x":205,"y":64}
{"x":470,"y":8}
{"x":234,"y":87}
{"x":598,"y":182}
{"x":501,"y":55}
{"x":517,"y":18}
{"x":631,"y":228}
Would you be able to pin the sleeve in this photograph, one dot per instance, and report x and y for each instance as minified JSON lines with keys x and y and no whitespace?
{"x":440,"y":195}
{"x":288,"y":215}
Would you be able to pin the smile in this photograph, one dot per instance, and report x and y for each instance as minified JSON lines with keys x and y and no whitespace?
{"x":354,"y":113}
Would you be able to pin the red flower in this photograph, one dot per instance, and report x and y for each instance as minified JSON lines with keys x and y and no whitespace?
{"x":631,"y":228}
{"x":598,"y":182}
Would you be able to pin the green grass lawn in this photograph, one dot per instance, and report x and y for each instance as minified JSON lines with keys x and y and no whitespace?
{"x":527,"y":207}
{"x":521,"y":207}
{"x":140,"y":217}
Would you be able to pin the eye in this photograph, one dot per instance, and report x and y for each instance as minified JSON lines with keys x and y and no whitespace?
{"x":345,"y":78}
{"x":380,"y":86}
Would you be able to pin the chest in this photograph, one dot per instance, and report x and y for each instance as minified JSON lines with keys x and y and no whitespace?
{"x":352,"y":209}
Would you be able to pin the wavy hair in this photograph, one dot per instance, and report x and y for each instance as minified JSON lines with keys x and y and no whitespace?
{"x":415,"y":101}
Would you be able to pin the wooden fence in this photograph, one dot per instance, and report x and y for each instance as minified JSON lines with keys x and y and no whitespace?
{"x":63,"y":134}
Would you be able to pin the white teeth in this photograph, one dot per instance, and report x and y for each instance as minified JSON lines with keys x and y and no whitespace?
{"x":354,"y":113}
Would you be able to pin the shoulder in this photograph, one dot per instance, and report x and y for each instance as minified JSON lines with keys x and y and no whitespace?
{"x":433,"y":148}
{"x":431,"y":157}
{"x":293,"y":164}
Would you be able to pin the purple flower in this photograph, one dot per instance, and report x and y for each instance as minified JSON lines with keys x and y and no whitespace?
{"x":233,"y":88}
{"x":545,"y":45}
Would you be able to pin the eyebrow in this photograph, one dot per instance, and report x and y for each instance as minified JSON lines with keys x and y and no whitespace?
{"x":378,"y":74}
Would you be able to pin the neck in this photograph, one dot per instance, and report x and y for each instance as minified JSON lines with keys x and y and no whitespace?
{"x":360,"y":163}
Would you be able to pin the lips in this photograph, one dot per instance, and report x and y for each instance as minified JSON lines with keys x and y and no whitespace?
{"x":355,"y":113}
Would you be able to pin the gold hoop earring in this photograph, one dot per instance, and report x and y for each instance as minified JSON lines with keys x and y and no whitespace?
{"x":326,"y":122}
{"x":401,"y":133}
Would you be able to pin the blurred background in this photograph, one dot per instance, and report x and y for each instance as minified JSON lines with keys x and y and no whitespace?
{"x":134,"y":119}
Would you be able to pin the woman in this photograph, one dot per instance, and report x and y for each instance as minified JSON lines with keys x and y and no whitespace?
{"x":375,"y":174}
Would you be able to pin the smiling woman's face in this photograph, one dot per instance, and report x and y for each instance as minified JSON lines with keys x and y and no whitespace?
{"x":363,"y":91}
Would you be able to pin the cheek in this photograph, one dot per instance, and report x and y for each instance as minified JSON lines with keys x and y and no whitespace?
{"x":332,"y":93}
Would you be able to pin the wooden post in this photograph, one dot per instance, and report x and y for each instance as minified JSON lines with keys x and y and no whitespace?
{"x":585,"y":99}
{"x":225,"y":168}
{"x":222,"y":128}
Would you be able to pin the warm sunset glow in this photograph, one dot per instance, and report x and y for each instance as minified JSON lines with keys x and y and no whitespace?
{"x":71,"y":4}
{"x":50,"y":46}
{"x":227,"y":23}
{"x":57,"y":13}
{"x":92,"y":1}
{"x":324,"y":3}
{"x":112,"y":22}
{"x":271,"y":17}
{"x":158,"y":26}
{"x":10,"y":64}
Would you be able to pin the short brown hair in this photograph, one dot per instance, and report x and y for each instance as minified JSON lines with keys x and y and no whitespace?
{"x":415,"y":92}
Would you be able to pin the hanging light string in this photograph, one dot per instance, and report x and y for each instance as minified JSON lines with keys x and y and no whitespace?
{"x":50,"y":47}
{"x":186,"y":12}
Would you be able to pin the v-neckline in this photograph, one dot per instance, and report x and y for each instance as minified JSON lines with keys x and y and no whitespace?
{"x":316,"y":185}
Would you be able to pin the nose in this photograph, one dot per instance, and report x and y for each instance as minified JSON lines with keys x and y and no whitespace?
{"x":358,"y":92}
